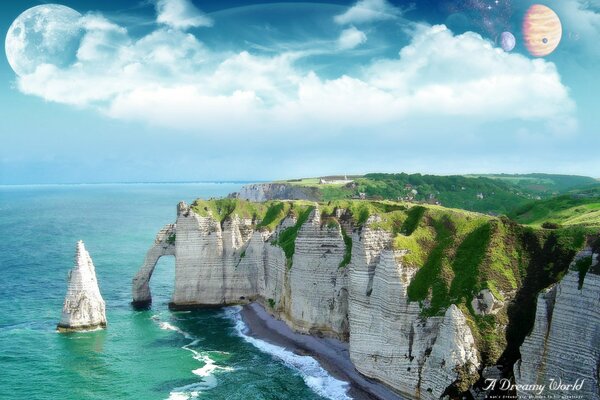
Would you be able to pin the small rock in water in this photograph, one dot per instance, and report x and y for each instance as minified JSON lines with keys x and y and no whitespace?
{"x":84,"y":308}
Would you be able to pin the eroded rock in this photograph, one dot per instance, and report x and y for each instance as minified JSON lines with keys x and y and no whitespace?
{"x":84,"y":308}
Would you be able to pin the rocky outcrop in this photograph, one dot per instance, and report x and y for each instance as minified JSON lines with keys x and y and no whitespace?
{"x":164,"y":244}
{"x":211,"y":267}
{"x":389,"y":340}
{"x":564,"y":346}
{"x":318,"y":301}
{"x":364,"y":302}
{"x":83,"y":308}
{"x":277,"y":191}
{"x":484,"y":303}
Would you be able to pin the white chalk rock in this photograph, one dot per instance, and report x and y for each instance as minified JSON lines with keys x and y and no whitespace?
{"x":84,"y":308}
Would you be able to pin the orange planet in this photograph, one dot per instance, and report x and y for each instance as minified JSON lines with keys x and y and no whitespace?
{"x":542,"y":30}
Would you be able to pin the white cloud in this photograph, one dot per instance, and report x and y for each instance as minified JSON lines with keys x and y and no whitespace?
{"x":181,"y":14}
{"x":102,"y":39}
{"x":581,"y":21}
{"x":365,"y":11}
{"x":351,"y":38}
{"x":169,"y":78}
{"x":465,"y":75}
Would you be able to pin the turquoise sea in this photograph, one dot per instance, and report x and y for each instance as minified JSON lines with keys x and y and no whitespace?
{"x":153,"y":354}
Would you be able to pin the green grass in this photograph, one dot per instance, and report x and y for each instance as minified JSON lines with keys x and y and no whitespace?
{"x":546,"y":256}
{"x":334,"y":192}
{"x":347,"y":250}
{"x":430,"y":277}
{"x":221,"y":209}
{"x":567,"y":210}
{"x":544,"y":183}
{"x":362,"y":210}
{"x":171,"y":239}
{"x":412,"y":220}
{"x":331,"y":223}
{"x":502,"y":193}
{"x":451,"y":191}
{"x":302,"y":182}
{"x":275,"y":213}
{"x":469,"y":256}
{"x":287,"y":238}
{"x":456,"y":253}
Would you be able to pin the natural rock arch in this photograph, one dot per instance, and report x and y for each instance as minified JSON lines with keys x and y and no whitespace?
{"x":164,"y":245}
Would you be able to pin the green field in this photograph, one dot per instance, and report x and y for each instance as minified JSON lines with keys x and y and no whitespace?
{"x":544,"y":183}
{"x":565,"y":210}
{"x":492,"y":194}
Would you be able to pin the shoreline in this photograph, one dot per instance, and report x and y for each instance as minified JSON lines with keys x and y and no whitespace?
{"x":332,"y":354}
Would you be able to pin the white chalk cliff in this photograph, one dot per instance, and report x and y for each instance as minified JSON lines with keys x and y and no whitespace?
{"x":84,"y":308}
{"x":364,"y":302}
{"x":564,"y":345}
{"x":276,"y":191}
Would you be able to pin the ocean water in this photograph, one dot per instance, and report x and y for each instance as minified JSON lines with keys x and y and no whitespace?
{"x":152,"y":354}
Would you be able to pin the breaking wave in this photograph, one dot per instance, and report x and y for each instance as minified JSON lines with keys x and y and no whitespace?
{"x":315,"y":377}
{"x":206,"y":372}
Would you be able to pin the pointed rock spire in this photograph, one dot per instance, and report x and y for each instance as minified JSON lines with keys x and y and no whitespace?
{"x":84,"y":308}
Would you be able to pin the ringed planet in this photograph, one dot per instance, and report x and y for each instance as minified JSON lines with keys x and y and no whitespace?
{"x":45,"y":34}
{"x":542,"y":30}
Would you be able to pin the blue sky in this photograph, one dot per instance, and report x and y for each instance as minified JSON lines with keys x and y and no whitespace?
{"x":174,"y":90}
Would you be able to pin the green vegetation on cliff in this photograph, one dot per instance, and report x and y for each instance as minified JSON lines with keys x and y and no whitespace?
{"x":544,"y":258}
{"x":275,"y":213}
{"x":348,"y":250}
{"x":494,"y":194}
{"x":455,"y":254}
{"x":580,"y":208}
{"x":221,"y":209}
{"x":287,"y":237}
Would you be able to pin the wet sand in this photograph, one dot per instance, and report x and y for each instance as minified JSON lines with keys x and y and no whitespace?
{"x":332,"y":354}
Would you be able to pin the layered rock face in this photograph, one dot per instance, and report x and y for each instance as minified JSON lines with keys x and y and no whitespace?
{"x":564,"y":345}
{"x":276,"y":191}
{"x":389,"y":341}
{"x":318,"y":295}
{"x":84,"y":308}
{"x":363,"y":301}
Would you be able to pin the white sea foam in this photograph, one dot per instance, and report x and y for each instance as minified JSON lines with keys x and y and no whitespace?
{"x":209,"y":381}
{"x":168,"y":327}
{"x":315,"y":377}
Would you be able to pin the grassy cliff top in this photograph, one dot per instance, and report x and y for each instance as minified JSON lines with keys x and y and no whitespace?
{"x":494,"y":194}
{"x":456,"y":254}
{"x":579,"y":208}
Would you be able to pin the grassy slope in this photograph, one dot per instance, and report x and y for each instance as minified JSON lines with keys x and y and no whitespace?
{"x":456,"y":253}
{"x":501,"y":193}
{"x":544,"y":183}
{"x":581,"y":208}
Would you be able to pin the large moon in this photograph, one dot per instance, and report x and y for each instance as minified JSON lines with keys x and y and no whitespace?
{"x":542,"y":30}
{"x":46,"y":34}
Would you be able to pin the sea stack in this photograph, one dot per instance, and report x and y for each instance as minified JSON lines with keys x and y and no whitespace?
{"x":84,"y":308}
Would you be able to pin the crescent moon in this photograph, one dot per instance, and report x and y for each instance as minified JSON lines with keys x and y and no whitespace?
{"x":46,"y":34}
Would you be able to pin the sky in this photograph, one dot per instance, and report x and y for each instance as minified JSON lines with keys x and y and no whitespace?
{"x":181,"y":90}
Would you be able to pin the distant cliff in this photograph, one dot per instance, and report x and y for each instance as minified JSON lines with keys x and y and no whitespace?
{"x":276,"y":191}
{"x":424,"y":295}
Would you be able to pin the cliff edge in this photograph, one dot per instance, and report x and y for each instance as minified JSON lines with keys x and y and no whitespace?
{"x":423,"y":294}
{"x":562,"y":353}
